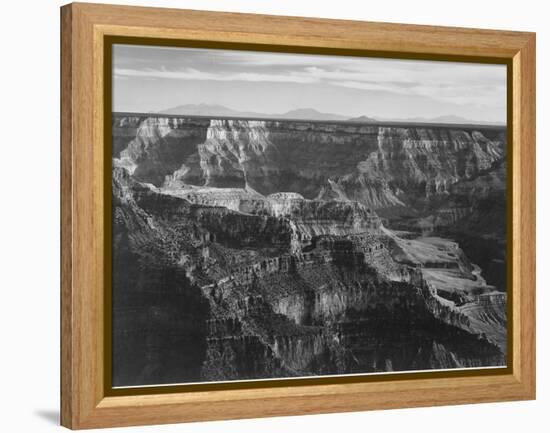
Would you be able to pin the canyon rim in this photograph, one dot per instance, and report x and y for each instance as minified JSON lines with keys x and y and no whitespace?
{"x":285,"y":216}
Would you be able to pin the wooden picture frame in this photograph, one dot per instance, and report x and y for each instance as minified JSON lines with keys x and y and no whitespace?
{"x":85,"y":398}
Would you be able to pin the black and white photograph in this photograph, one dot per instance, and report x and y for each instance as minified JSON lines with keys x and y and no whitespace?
{"x":283,"y":215}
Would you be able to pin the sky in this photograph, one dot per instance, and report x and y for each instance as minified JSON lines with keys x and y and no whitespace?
{"x":151,"y":79}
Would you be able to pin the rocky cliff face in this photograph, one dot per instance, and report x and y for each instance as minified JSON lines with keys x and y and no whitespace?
{"x":376,"y":165}
{"x":159,"y":146}
{"x":254,"y":249}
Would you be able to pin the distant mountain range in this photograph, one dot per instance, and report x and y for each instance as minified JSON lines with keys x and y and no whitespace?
{"x":310,"y":114}
{"x":208,"y":110}
{"x":220,"y":110}
{"x":363,"y":119}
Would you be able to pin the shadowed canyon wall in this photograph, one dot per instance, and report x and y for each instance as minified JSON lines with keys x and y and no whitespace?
{"x":254,"y":249}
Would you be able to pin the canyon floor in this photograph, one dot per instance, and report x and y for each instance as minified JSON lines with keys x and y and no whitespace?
{"x":257,"y":249}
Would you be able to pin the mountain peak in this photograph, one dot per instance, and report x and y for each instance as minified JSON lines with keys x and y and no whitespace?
{"x":200,"y":110}
{"x":362,"y":119}
{"x":204,"y":109}
{"x":303,"y":111}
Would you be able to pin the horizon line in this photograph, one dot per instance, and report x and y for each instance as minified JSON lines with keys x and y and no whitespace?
{"x":349,"y":121}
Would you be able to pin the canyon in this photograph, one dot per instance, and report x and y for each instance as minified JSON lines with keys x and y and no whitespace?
{"x":270,"y":248}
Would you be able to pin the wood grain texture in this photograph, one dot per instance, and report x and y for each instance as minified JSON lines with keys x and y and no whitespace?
{"x":524,"y":201}
{"x":83,"y":401}
{"x":67,"y":394}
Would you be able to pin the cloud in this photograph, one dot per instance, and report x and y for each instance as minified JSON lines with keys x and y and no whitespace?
{"x":490,"y":96}
{"x":450,"y":82}
{"x":252,"y":59}
{"x":363,"y":85}
{"x":195,"y":74}
{"x":447,"y":82}
{"x":442,"y":83}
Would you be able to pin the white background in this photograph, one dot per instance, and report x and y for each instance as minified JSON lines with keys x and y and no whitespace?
{"x":29,"y":216}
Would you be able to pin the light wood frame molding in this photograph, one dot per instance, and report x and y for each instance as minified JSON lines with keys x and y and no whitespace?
{"x":84,"y":403}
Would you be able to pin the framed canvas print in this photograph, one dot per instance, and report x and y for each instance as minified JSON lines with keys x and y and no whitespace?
{"x":268,"y":216}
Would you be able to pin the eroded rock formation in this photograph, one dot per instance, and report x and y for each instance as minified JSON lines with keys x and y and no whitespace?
{"x":256,"y":249}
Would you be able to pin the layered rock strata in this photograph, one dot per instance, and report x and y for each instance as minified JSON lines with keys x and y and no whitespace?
{"x":254,"y":249}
